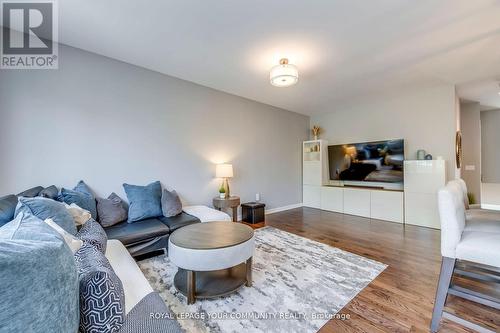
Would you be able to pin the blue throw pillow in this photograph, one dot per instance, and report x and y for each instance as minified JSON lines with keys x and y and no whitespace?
{"x":81,"y":196}
{"x":102,"y":298}
{"x":38,"y":280}
{"x":144,"y":201}
{"x":7,"y":208}
{"x":44,"y":208}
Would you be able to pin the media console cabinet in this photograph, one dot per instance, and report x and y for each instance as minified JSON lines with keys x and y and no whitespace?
{"x":416,"y":204}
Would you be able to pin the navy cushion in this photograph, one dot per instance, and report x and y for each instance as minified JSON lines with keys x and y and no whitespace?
{"x":50,"y":192}
{"x":179,"y":221}
{"x":92,"y":233}
{"x":7,"y":208}
{"x":144,"y":201}
{"x":44,"y":208}
{"x":134,"y":233}
{"x":111,"y":210}
{"x":81,"y":196}
{"x":31,"y":193}
{"x":38,"y":279}
{"x":102,"y":299}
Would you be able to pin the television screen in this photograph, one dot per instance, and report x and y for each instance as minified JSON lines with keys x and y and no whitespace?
{"x":380,"y":161}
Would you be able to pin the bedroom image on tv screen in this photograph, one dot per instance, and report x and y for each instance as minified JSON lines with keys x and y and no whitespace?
{"x":379,"y":161}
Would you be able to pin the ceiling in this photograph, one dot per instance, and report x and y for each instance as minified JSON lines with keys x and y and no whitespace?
{"x":344,"y":49}
{"x":486,"y":92}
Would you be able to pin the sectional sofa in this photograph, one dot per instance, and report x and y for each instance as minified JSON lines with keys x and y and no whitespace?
{"x":41,"y":309}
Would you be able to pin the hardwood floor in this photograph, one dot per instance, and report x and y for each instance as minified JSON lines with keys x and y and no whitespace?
{"x":401,"y":298}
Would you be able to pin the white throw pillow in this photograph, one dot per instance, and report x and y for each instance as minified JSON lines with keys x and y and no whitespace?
{"x":74,"y":243}
{"x":80,"y":215}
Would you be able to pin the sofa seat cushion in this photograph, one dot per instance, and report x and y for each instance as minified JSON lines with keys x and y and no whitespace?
{"x":135,"y":285}
{"x":179,"y":221}
{"x":131,"y":233}
{"x":479,"y":247}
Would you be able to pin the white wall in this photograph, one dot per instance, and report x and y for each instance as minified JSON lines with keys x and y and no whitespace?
{"x":471,"y":147}
{"x":424,"y":117}
{"x":108,"y":122}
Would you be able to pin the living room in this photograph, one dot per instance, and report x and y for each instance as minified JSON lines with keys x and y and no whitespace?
{"x":296,"y":166}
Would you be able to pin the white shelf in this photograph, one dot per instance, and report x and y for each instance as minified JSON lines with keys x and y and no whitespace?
{"x":314,"y":171}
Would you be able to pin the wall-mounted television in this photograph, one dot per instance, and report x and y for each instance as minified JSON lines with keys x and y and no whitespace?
{"x":372,"y":164}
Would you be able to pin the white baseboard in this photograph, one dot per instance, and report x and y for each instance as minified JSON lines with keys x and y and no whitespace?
{"x":490,"y":206}
{"x":280,"y":209}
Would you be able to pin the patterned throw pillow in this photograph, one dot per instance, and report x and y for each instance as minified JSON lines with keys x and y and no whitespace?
{"x":92,"y":233}
{"x":102,"y":299}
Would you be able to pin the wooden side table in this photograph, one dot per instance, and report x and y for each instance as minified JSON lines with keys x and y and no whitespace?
{"x":231,"y":202}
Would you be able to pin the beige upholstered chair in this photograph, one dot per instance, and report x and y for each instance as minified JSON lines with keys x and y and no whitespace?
{"x":466,"y":243}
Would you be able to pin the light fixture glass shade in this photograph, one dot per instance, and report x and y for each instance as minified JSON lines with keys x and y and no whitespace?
{"x":284,"y":75}
{"x":224,"y":171}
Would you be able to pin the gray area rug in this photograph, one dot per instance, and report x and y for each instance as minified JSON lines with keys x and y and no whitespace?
{"x":298,"y":285}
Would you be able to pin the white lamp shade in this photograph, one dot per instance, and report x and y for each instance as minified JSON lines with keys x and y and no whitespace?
{"x":224,"y":170}
{"x":284,"y":75}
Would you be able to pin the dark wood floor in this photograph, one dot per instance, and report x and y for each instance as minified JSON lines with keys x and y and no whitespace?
{"x":401,"y":298}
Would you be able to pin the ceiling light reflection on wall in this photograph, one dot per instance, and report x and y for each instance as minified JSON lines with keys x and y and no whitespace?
{"x":284,"y":74}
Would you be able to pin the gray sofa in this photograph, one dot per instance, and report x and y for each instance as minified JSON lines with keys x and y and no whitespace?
{"x":148,"y":235}
{"x":145,"y":311}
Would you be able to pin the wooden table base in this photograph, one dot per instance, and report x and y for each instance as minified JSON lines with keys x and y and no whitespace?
{"x":213,"y":284}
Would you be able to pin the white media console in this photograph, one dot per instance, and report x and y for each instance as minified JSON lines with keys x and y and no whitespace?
{"x":416,"y":205}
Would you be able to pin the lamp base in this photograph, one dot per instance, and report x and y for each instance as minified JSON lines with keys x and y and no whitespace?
{"x":225,"y":185}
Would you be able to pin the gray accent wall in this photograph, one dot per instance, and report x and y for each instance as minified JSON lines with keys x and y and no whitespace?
{"x":108,"y":122}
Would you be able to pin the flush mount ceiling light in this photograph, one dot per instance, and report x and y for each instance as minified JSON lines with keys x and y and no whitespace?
{"x":284,"y":75}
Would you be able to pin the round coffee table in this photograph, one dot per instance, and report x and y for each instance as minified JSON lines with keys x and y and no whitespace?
{"x":214,"y":258}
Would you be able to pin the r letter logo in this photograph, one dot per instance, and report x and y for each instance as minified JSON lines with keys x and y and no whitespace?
{"x":29,"y":35}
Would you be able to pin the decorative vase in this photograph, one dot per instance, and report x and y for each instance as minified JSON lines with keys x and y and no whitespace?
{"x":428,"y":157}
{"x":421,"y":154}
{"x":315,"y":137}
{"x":222,"y":195}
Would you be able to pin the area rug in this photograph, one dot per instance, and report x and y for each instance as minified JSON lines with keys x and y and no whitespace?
{"x":298,"y":285}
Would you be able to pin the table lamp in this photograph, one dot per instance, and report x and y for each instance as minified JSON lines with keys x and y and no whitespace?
{"x":224,"y":171}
